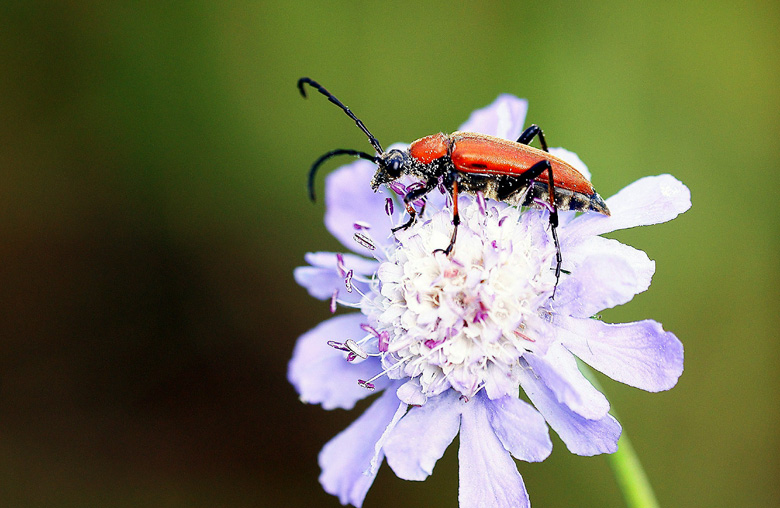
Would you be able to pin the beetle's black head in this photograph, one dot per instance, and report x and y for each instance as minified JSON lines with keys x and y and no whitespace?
{"x":392,"y":164}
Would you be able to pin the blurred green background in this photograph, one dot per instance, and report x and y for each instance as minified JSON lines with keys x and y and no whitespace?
{"x":152,"y":208}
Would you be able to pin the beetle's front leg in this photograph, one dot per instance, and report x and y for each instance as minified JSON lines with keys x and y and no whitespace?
{"x":412,"y":196}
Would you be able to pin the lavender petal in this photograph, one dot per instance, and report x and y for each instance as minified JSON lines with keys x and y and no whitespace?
{"x":503,"y":118}
{"x":639,"y":354}
{"x":520,"y":428}
{"x":322,"y":278}
{"x":649,"y":200}
{"x":350,"y":460}
{"x":581,"y":436}
{"x":604,"y":274}
{"x":422,"y":436}
{"x":488,"y":475}
{"x":349,"y":200}
{"x":322,"y":375}
{"x":558,"y":371}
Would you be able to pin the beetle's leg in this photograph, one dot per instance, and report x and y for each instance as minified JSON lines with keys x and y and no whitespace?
{"x":528,"y":135}
{"x":455,"y":215}
{"x":533,"y":172}
{"x":412,"y":196}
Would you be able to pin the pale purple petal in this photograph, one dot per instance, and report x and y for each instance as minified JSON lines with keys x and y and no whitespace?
{"x":558,"y":370}
{"x":499,"y":382}
{"x":359,"y":264}
{"x":379,"y":452}
{"x":581,"y":436}
{"x":573,"y":159}
{"x":649,"y":200}
{"x":503,"y":118}
{"x":411,"y":393}
{"x":639,"y":354}
{"x":322,"y":278}
{"x":322,"y":375}
{"x":604,"y":273}
{"x":350,"y":200}
{"x":488,"y":475}
{"x":520,"y":428}
{"x":348,"y":460}
{"x":422,"y":436}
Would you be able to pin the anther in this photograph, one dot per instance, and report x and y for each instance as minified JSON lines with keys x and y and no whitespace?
{"x":366,"y":385}
{"x":354,"y":348}
{"x":364,"y":240}
{"x":348,"y":281}
{"x":389,"y":206}
{"x":340,"y":265}
{"x":337,"y":345}
{"x":398,"y":188}
{"x":361,"y":225}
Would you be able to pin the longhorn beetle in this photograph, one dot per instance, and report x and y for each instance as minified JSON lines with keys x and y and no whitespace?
{"x":508,"y":171}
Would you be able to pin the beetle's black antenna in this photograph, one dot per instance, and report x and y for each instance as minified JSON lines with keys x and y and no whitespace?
{"x":346,"y":110}
{"x":333,"y":153}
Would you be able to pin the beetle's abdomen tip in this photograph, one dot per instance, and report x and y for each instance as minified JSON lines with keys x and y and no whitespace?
{"x":597,"y":204}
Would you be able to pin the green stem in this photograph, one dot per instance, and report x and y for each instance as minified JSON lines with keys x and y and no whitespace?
{"x":630,"y":476}
{"x":625,"y":464}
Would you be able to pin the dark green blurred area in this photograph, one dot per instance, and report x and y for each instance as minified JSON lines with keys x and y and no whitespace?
{"x":152,"y":209}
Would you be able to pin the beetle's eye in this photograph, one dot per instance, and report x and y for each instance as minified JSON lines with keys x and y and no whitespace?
{"x":394,"y":166}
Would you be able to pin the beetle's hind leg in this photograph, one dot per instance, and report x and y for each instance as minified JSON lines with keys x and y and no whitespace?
{"x":530,"y":133}
{"x":455,"y":215}
{"x":533,"y":172}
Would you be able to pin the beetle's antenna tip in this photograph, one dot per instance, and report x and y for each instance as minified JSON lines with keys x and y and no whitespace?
{"x":301,"y":81}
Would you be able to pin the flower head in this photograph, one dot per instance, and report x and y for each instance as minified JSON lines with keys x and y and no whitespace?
{"x":452,"y":340}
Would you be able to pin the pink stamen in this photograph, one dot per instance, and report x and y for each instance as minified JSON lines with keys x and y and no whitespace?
{"x":481,"y":202}
{"x":524,"y":336}
{"x":481,"y":315}
{"x":333,"y":298}
{"x":544,"y":204}
{"x":384,"y":341}
{"x":369,"y":329}
{"x":340,"y":265}
{"x":430,"y":343}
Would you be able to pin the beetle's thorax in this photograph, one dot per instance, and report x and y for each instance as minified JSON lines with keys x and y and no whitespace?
{"x":395,"y":163}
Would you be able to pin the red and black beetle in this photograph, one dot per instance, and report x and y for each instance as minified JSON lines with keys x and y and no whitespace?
{"x":508,"y":171}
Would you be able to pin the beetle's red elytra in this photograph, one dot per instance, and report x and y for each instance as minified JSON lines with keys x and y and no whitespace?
{"x":504,"y":170}
{"x":480,"y":154}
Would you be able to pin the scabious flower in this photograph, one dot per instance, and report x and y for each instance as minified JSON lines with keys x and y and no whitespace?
{"x":451,"y":341}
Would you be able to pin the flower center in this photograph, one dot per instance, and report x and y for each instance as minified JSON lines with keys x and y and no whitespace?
{"x":465,"y":320}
